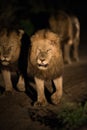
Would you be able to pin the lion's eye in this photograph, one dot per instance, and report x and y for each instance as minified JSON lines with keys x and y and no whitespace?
{"x":48,"y":50}
{"x":38,"y":50}
{"x":11,"y":47}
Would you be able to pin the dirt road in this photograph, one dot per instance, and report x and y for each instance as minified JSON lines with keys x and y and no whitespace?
{"x":17,"y":113}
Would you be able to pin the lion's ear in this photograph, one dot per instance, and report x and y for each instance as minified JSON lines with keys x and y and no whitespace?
{"x":21,"y":32}
{"x":55,"y":41}
{"x":34,"y":37}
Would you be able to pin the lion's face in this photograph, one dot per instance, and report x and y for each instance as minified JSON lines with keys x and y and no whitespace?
{"x":42,"y":53}
{"x":9,"y":48}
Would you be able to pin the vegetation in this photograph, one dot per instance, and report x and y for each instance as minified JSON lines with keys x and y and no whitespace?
{"x":72,"y":117}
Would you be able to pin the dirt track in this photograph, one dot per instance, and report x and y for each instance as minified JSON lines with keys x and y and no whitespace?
{"x":17,"y":113}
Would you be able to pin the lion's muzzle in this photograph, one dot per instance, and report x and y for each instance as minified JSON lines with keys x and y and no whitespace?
{"x":42,"y":64}
{"x":5,"y":60}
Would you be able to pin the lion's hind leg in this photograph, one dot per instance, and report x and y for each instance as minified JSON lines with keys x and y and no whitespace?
{"x":67,"y":58}
{"x":21,"y":84}
{"x":75,"y":51}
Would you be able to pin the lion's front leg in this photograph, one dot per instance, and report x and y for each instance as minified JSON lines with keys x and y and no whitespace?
{"x":56,"y":96}
{"x":41,"y":99}
{"x":7,"y":80}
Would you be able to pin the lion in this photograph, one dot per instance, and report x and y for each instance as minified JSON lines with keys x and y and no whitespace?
{"x":68,"y":28}
{"x":45,"y":62}
{"x":10,"y":48}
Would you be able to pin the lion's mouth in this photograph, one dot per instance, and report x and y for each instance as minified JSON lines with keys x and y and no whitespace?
{"x":42,"y":66}
{"x":4,"y":62}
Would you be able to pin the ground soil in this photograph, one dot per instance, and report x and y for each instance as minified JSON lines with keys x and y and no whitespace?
{"x":18,"y":113}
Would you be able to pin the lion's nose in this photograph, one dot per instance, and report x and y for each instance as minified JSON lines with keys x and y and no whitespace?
{"x":42,"y":59}
{"x":5,"y":58}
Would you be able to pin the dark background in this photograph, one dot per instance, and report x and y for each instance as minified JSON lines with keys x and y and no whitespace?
{"x":16,"y":112}
{"x":18,"y":12}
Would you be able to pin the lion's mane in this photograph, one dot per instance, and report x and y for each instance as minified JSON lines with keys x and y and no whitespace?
{"x":55,"y":66}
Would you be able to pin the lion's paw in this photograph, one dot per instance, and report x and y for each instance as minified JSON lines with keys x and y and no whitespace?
{"x":67,"y":61}
{"x":55,"y":98}
{"x":40,"y":103}
{"x":8,"y":93}
{"x":21,"y":87}
{"x":76,"y":59}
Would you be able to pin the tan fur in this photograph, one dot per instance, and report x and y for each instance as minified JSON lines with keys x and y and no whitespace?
{"x":10,"y":46}
{"x":45,"y":62}
{"x":68,"y":28}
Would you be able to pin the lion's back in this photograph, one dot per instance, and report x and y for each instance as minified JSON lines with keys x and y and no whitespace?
{"x":65,"y":25}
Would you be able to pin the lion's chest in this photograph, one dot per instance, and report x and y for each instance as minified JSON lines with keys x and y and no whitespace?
{"x":48,"y":74}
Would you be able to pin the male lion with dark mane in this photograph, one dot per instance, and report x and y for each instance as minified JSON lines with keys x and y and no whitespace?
{"x":10,"y":48}
{"x":68,"y":28}
{"x":45,"y":62}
